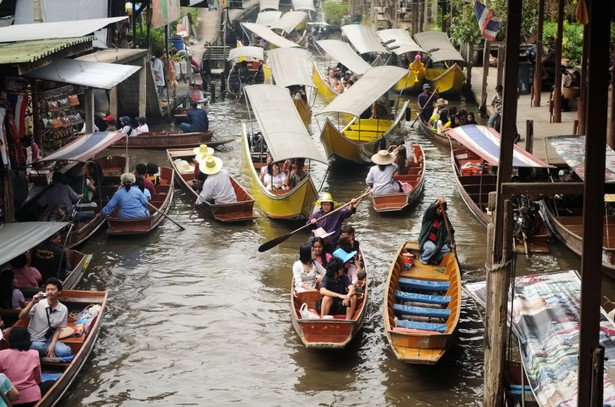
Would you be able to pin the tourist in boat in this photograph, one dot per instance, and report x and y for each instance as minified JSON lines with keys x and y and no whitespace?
{"x":197,"y":120}
{"x":274,"y":179}
{"x":380,"y":176}
{"x":265,"y":168}
{"x":349,"y":233}
{"x":319,"y":254}
{"x":152,"y":173}
{"x":7,"y":388}
{"x":47,"y":316}
{"x":142,"y":125}
{"x":58,"y":199}
{"x":298,"y":173}
{"x":455,"y":122}
{"x":108,"y":123}
{"x":10,"y":297}
{"x":436,"y":233}
{"x":426,"y":110}
{"x":196,"y":93}
{"x":440,"y":106}
{"x":141,"y":171}
{"x":338,"y":293}
{"x":22,"y":366}
{"x":25,"y":275}
{"x":83,"y":182}
{"x":126,"y":127}
{"x":217,"y":188}
{"x":402,"y":161}
{"x":332,"y":223}
{"x":129,"y":200}
{"x":307,"y":272}
{"x":140,"y":183}
{"x":462,"y":115}
{"x":443,"y":123}
{"x":49,"y":258}
{"x":470,"y":118}
{"x":347,"y":259}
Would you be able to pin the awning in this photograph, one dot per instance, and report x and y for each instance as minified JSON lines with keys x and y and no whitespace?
{"x":290,"y":66}
{"x":269,"y":36}
{"x":373,"y":84}
{"x":363,"y":38}
{"x":400,"y":41}
{"x":267,"y":18}
{"x":269,"y":5}
{"x":307,"y":5}
{"x":343,"y":52}
{"x":280,"y":123}
{"x":443,"y":49}
{"x":85,"y":147}
{"x":247,"y":52}
{"x":31,"y":51}
{"x":61,"y":29}
{"x":572,"y":150}
{"x":85,"y":73}
{"x":17,"y":238}
{"x":290,"y":21}
{"x":485,"y":142}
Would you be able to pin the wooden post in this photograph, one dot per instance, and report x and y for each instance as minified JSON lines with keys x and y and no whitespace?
{"x":581,"y":112}
{"x":539,"y":49}
{"x":575,"y":126}
{"x":501,"y":54}
{"x":557,"y":91}
{"x":611,"y":139}
{"x":89,"y":110}
{"x":469,"y":64}
{"x":143,"y":87}
{"x":529,"y":136}
{"x":482,"y":104}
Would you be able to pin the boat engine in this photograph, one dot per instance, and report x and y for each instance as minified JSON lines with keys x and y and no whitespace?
{"x":524,"y":216}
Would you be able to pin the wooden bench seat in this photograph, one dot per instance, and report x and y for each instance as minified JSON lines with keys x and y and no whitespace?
{"x":362,"y":135}
{"x":424,"y":326}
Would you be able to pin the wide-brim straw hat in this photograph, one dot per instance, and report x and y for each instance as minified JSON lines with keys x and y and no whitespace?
{"x":211,"y":165}
{"x":202,"y":151}
{"x":326,"y":197}
{"x":128,"y":178}
{"x":383,"y":157}
{"x":66,"y":332}
{"x":441,"y":102}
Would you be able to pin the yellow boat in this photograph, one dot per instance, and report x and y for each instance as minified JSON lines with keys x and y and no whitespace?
{"x":284,"y":136}
{"x":442,"y":69}
{"x":361,"y":138}
{"x":322,"y":85}
{"x":449,"y":81}
{"x":400,"y":42}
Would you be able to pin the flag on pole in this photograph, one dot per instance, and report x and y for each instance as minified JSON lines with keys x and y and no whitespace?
{"x":489,"y":26}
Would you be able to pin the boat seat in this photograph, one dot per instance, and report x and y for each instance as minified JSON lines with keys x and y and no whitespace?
{"x":421,"y":311}
{"x":424,"y":298}
{"x":362,"y":135}
{"x":425,"y":285}
{"x":516,"y":391}
{"x":424,"y":326}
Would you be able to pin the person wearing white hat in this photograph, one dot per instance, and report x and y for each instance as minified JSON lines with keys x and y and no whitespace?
{"x":217,"y":188}
{"x":380,"y":176}
{"x":131,"y":202}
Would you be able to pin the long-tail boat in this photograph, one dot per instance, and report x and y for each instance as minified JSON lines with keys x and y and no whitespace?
{"x":442,"y":69}
{"x":400,"y":42}
{"x":173,"y":139}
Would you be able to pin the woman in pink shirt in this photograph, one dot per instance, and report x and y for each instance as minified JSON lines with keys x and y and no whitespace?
{"x":22,"y":366}
{"x":25,"y":276}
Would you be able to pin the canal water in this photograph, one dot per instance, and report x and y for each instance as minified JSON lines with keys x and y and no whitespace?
{"x":201,"y":318}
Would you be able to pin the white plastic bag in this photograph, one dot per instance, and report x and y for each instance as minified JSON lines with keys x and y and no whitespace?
{"x":306,"y":313}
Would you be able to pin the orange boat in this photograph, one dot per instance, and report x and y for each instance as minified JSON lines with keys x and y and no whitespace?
{"x":170,"y":140}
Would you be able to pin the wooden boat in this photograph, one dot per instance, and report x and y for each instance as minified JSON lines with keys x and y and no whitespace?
{"x":449,"y":80}
{"x":242,"y":210}
{"x":278,"y":120}
{"x":322,"y":85}
{"x":474,"y":166}
{"x":254,"y":58}
{"x":438,"y":138}
{"x":442,"y":70}
{"x":422,"y":304}
{"x":161,"y":200}
{"x":319,"y":333}
{"x":400,"y":42}
{"x":293,"y":26}
{"x":170,"y":140}
{"x":361,"y":138}
{"x":400,"y":201}
{"x":75,"y":300}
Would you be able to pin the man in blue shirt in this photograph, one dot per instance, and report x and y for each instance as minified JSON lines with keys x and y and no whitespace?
{"x":197,"y":120}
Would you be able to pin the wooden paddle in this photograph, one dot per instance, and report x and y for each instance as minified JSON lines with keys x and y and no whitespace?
{"x":165,"y":215}
{"x":274,"y":242}
{"x":424,"y":106}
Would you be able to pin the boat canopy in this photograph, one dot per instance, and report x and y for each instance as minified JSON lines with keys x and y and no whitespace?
{"x":373,"y":84}
{"x":398,"y":41}
{"x":306,"y":5}
{"x":247,"y":52}
{"x":363,"y":38}
{"x":85,"y":147}
{"x":572,"y":150}
{"x":17,"y":238}
{"x":485,"y":142}
{"x":438,"y":46}
{"x":546,"y":315}
{"x":289,"y":21}
{"x":290,"y":66}
{"x":269,"y":36}
{"x":267,"y":18}
{"x":56,"y":29}
{"x":84,"y":73}
{"x":280,"y":123}
{"x":269,"y":5}
{"x":343,"y":52}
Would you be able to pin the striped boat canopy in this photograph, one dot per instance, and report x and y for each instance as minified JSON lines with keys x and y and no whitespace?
{"x":373,"y":84}
{"x":363,"y":38}
{"x":398,"y":41}
{"x":290,"y":66}
{"x":85,"y":147}
{"x":438,"y":46}
{"x":343,"y":52}
{"x":289,"y":21}
{"x":572,"y":150}
{"x":485,"y":142}
{"x":269,"y":36}
{"x":280,"y":123}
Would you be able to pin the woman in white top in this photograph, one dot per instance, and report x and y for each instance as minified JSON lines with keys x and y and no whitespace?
{"x":274,"y":179}
{"x":264,"y":168}
{"x":142,"y":127}
{"x":380,"y":176}
{"x":307,"y":272}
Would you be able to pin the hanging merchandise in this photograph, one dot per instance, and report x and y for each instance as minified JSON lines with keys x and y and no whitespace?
{"x":73,"y":100}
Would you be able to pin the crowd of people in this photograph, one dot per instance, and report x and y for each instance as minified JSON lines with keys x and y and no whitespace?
{"x":435,"y":113}
{"x":282,"y":176}
{"x":340,"y":78}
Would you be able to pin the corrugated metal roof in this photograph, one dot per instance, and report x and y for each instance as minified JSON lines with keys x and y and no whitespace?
{"x":61,"y":29}
{"x":31,"y":51}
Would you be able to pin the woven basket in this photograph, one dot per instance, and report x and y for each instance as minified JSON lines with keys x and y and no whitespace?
{"x":570,"y":93}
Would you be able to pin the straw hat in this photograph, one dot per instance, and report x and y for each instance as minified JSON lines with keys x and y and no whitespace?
{"x":441,"y":102}
{"x":211,"y":165}
{"x":66,"y":332}
{"x":202,"y":152}
{"x":383,"y":157}
{"x":128,"y":178}
{"x":326,"y":197}
{"x":320,"y":232}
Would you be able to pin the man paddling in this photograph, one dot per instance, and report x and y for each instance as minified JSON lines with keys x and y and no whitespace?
{"x":436,"y":237}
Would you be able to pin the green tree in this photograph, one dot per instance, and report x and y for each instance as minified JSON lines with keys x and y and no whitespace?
{"x":334,"y":11}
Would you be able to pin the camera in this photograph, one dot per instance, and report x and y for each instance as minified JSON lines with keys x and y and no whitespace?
{"x":43,"y":295}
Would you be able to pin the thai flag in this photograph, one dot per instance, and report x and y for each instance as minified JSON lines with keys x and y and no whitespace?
{"x":489,"y":26}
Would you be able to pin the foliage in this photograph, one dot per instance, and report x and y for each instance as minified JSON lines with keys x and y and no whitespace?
{"x":334,"y":11}
{"x":463,"y":27}
{"x":572,"y":41}
{"x":157,"y":34}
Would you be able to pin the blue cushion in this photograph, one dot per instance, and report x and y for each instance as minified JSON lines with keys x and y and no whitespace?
{"x":424,"y":298}
{"x":421,"y":311}
{"x":425,"y":285}
{"x":424,"y":326}
{"x":51,"y":376}
{"x":516,"y":390}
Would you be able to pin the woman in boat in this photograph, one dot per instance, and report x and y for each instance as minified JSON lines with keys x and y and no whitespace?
{"x":298,"y":173}
{"x":131,"y":202}
{"x":470,"y":118}
{"x":140,"y":183}
{"x":319,"y":254}
{"x":141,"y":171}
{"x":332,"y":223}
{"x":380,"y":176}
{"x":25,"y":275}
{"x":265,"y":168}
{"x":307,"y":272}
{"x":10,"y":297}
{"x":274,"y":179}
{"x":443,"y":123}
{"x":142,"y":125}
{"x":401,"y":160}
{"x":338,"y":293}
{"x":7,"y":388}
{"x":152,"y":171}
{"x":22,"y":366}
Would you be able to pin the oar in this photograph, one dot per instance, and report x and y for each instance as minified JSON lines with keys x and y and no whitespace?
{"x":274,"y":242}
{"x":165,"y":215}
{"x":424,"y":106}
